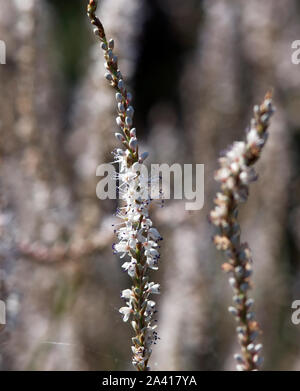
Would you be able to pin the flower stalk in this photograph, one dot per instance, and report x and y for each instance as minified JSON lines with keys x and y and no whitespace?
{"x":235,"y":174}
{"x":137,"y":238}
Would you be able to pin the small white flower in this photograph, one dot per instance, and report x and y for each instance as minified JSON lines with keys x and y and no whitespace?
{"x":126,"y":294}
{"x":234,"y":167}
{"x":154,"y":234}
{"x":237,"y":152}
{"x":253,"y":137}
{"x":122,"y":247}
{"x":125,"y":311}
{"x":129,"y":267}
{"x":150,"y":305}
{"x":154,"y":288}
{"x":152,"y":263}
{"x":222,"y":174}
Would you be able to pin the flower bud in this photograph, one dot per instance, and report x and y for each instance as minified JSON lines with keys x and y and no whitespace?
{"x":109,"y":54}
{"x":133,"y":143}
{"x":130,"y":111}
{"x":119,"y":97}
{"x":121,"y":107}
{"x":249,"y":303}
{"x":250,"y":315}
{"x":119,"y":137}
{"x":111,"y":44}
{"x":258,"y":360}
{"x":128,"y":121}
{"x":143,"y":157}
{"x":119,"y":121}
{"x":233,"y":310}
{"x":232,"y":282}
{"x":133,"y":132}
{"x":238,"y":358}
{"x":108,"y":76}
{"x":96,"y":32}
{"x":258,"y":347}
{"x":250,"y":347}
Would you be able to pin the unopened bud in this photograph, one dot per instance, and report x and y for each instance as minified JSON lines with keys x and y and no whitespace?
{"x":250,"y":347}
{"x":143,"y":157}
{"x":103,"y":45}
{"x":128,"y":121}
{"x":133,"y":132}
{"x":121,"y":107}
{"x":258,"y":347}
{"x":119,"y":97}
{"x":133,"y":143}
{"x":239,"y":358}
{"x":130,"y":111}
{"x":250,"y":315}
{"x":119,"y":121}
{"x":121,"y":84}
{"x":119,"y":137}
{"x":96,"y":32}
{"x":111,"y":44}
{"x":232,"y":282}
{"x":249,"y":303}
{"x":109,"y":54}
{"x":244,"y":286}
{"x":233,"y":310}
{"x":258,"y":360}
{"x":108,"y":76}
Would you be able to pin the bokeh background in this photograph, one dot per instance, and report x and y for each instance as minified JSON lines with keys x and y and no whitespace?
{"x":195,"y":68}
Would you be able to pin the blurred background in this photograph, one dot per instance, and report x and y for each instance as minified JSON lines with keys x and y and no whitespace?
{"x":195,"y":68}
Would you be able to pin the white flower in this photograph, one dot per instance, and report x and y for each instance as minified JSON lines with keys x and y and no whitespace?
{"x":122,"y":247}
{"x":130,"y":267}
{"x":234,"y":167}
{"x":222,"y":174}
{"x":153,"y":288}
{"x":149,"y":244}
{"x":152,"y":263}
{"x":150,"y":305}
{"x":237,"y":152}
{"x":126,"y":294}
{"x":253,"y":137}
{"x":152,"y":253}
{"x":146,"y":223}
{"x":154,"y":234}
{"x":125,"y":311}
{"x":247,"y":176}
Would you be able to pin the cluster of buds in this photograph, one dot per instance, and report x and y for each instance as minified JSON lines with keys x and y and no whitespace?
{"x":235,"y":174}
{"x":137,"y":239}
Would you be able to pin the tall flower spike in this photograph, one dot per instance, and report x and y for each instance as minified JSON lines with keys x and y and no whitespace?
{"x":235,"y":174}
{"x":137,"y":239}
